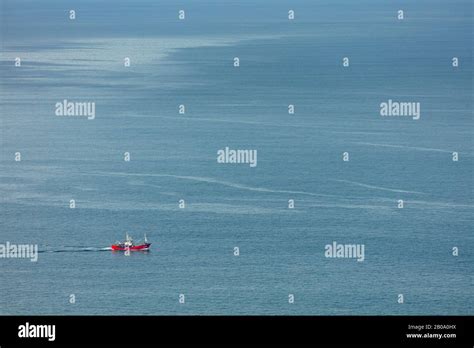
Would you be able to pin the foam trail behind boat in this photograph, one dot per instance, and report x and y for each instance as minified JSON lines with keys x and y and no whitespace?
{"x":73,"y":249}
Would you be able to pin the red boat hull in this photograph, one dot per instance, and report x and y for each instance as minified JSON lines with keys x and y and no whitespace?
{"x":141,"y":247}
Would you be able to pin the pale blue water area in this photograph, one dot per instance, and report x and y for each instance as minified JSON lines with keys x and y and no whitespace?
{"x":407,"y":251}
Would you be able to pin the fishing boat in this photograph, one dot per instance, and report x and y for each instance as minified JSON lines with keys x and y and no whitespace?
{"x":129,"y":245}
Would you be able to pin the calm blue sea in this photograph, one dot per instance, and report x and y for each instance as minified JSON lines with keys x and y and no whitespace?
{"x":408,"y":251}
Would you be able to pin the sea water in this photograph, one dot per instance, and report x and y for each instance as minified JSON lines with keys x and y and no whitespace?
{"x":224,"y":237}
